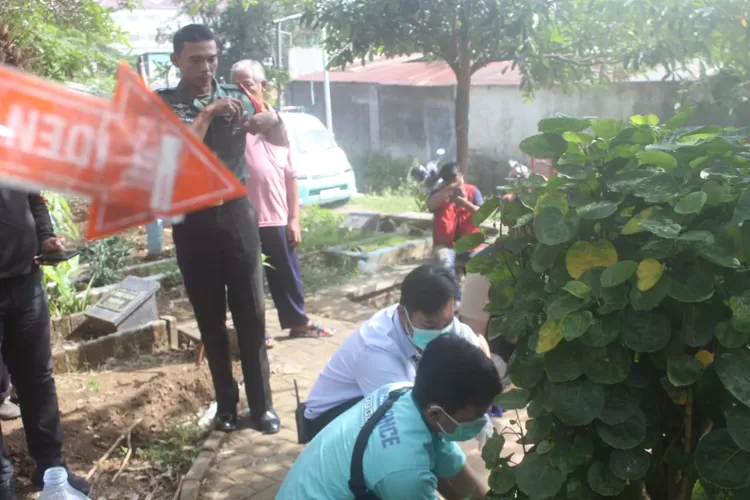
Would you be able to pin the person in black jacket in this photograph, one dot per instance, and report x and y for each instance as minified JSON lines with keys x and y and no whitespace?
{"x":25,"y":232}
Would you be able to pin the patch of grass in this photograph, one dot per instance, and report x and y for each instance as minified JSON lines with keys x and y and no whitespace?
{"x":320,"y":229}
{"x":317,"y":274}
{"x":174,"y":448}
{"x":94,"y":385}
{"x":389,"y":201}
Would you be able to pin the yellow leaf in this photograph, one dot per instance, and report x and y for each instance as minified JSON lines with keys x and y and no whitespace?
{"x":549,"y":336}
{"x":633,"y":226}
{"x":649,"y":273}
{"x":706,"y":358}
{"x":583,"y":256}
{"x":551,"y":200}
{"x":678,"y":396}
{"x":744,"y":22}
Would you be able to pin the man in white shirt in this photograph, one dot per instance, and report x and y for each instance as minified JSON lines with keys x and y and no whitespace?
{"x":386,"y":348}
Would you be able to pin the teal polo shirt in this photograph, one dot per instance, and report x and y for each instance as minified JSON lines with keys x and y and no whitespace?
{"x":403,"y":458}
{"x":222,"y":137}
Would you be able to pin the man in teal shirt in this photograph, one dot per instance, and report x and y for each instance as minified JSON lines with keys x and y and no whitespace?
{"x":415,"y":442}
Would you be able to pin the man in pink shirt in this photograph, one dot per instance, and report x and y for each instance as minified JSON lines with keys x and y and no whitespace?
{"x":272,"y":187}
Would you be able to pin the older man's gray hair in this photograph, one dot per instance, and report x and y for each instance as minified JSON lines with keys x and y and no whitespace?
{"x":253,"y":67}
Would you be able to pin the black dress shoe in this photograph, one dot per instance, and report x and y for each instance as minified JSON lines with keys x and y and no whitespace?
{"x":7,"y":491}
{"x":268,"y":423}
{"x":225,"y":422}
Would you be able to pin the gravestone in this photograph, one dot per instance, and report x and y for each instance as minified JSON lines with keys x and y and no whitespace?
{"x":362,"y":221}
{"x":130,"y":304}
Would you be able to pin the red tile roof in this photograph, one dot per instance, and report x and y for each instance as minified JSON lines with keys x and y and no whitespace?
{"x":414,"y":71}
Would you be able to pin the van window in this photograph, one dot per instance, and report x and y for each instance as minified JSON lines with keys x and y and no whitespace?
{"x":307,"y":141}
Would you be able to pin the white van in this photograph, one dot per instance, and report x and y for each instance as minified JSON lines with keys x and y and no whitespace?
{"x":324,"y":174}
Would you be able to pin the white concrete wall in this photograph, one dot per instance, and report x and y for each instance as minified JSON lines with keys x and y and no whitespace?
{"x":500,"y":117}
{"x":143,"y":25}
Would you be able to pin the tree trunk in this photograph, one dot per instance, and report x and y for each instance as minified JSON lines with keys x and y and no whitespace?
{"x":463,"y":94}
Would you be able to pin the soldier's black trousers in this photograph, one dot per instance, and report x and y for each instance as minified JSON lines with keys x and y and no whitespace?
{"x":27,"y":352}
{"x":218,"y":251}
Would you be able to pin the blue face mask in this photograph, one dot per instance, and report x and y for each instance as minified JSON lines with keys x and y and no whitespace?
{"x":465,"y":431}
{"x":420,"y":337}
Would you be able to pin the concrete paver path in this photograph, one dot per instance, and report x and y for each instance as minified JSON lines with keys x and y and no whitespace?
{"x":250,"y":465}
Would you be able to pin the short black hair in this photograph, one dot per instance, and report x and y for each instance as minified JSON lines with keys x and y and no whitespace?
{"x":449,"y":172}
{"x":191,"y":33}
{"x":428,"y":288}
{"x":455,"y":374}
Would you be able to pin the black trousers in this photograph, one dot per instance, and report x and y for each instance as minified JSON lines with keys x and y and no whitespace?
{"x":218,"y":252}
{"x":4,"y":382}
{"x":26,"y":350}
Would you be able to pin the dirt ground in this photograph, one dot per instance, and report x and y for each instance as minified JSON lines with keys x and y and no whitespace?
{"x":98,"y":407}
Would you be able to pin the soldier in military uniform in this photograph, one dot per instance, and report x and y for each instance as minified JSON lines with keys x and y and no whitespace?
{"x":218,"y":248}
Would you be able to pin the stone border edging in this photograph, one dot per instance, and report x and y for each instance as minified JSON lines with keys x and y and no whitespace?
{"x":191,"y":485}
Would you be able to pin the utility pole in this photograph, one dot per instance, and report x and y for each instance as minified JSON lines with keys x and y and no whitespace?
{"x":326,"y":80}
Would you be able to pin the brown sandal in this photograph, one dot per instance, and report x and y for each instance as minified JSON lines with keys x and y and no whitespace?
{"x":313,"y":330}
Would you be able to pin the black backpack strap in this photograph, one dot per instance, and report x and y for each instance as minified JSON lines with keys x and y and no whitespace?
{"x":357,"y":475}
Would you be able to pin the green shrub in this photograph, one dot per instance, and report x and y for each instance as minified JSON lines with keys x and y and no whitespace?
{"x":629,"y":301}
{"x":377,"y":172}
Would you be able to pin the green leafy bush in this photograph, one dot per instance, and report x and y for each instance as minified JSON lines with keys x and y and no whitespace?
{"x":378,"y":172}
{"x":629,"y":302}
{"x":105,"y":258}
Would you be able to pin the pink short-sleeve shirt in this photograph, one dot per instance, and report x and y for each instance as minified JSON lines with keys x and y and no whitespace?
{"x":269,"y":168}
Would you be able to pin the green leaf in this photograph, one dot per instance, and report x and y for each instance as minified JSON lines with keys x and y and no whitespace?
{"x":514,"y":399}
{"x":597,"y":210}
{"x":603,"y":331}
{"x":699,"y":287}
{"x":630,"y":465}
{"x":564,"y":304}
{"x":543,"y":257}
{"x":719,"y":255}
{"x":680,"y":119}
{"x":578,"y":452}
{"x":552,"y":227}
{"x":575,"y":324}
{"x":657,"y":158}
{"x":551,"y":200}
{"x":721,"y":462}
{"x":624,"y":436}
{"x":526,"y":368}
{"x":492,"y":450}
{"x":575,"y":403}
{"x":565,"y":362}
{"x":660,"y":188}
{"x":502,"y":479}
{"x":703,"y":237}
{"x":733,"y":368}
{"x":615,"y":299}
{"x":683,"y":370}
{"x":608,"y":365}
{"x":577,"y":289}
{"x":738,"y":425}
{"x":742,"y":209}
{"x":544,"y":146}
{"x":730,"y":337}
{"x":740,"y":312}
{"x":618,"y":273}
{"x":628,"y":181}
{"x":664,"y":228}
{"x":698,"y":326}
{"x":692,"y":203}
{"x":650,"y":299}
{"x":537,"y":478}
{"x":607,"y":129}
{"x":644,"y":120}
{"x":488,"y":208}
{"x":716,"y":193}
{"x":603,"y":481}
{"x":469,"y":242}
{"x":633,"y":226}
{"x":620,"y":404}
{"x":560,"y":124}
{"x":646,"y":332}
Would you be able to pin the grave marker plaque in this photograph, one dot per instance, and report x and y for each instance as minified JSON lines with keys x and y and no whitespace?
{"x":130,"y":304}
{"x":361,"y":221}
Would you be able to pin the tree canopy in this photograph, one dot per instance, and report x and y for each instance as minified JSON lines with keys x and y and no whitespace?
{"x":59,"y":39}
{"x":552,"y":43}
